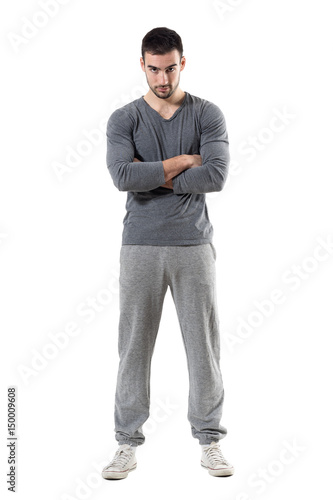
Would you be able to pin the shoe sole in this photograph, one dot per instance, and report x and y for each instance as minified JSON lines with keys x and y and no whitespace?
{"x":117,"y":474}
{"x":220,"y":472}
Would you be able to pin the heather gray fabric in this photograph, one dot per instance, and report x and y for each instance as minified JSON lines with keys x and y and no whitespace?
{"x":157,"y":215}
{"x":146,"y":272}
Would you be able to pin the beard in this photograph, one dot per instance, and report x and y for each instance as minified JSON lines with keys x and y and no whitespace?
{"x":164,"y":95}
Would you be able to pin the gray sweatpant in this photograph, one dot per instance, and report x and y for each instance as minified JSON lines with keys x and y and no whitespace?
{"x":145,"y":274}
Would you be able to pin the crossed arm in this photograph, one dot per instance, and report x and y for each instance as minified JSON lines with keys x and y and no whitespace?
{"x":199,"y":173}
{"x":176,"y":165}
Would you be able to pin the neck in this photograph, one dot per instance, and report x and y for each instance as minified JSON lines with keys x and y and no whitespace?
{"x":175,"y":100}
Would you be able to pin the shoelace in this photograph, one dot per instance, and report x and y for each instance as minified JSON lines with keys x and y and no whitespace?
{"x":215,"y":455}
{"x":120,"y":459}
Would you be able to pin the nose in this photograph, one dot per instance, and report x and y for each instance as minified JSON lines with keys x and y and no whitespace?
{"x":164,"y":79}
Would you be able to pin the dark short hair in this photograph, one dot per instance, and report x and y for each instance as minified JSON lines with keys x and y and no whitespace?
{"x":161,"y":41}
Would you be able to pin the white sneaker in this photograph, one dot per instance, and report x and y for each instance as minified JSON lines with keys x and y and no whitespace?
{"x":213,"y":460}
{"x":123,"y":462}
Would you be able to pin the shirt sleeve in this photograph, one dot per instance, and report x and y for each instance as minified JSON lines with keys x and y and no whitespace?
{"x":214,"y":150}
{"x":126,"y":174}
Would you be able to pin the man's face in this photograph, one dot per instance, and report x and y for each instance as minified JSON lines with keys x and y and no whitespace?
{"x":163,"y":72}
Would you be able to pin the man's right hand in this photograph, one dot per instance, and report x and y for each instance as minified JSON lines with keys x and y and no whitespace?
{"x":177,"y":164}
{"x":196,"y":161}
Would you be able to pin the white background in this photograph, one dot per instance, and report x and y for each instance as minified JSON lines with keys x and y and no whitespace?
{"x":60,"y":238}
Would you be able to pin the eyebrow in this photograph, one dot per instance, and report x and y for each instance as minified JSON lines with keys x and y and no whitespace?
{"x":155,"y":67}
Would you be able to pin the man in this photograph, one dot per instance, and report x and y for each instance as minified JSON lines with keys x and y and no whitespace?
{"x":167,"y":149}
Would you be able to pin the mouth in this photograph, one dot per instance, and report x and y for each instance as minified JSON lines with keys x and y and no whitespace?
{"x":162,"y":89}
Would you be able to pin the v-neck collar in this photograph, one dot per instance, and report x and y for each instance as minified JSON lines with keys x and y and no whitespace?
{"x":160,"y":116}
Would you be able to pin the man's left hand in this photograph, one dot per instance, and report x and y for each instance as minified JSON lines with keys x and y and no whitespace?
{"x":167,"y":185}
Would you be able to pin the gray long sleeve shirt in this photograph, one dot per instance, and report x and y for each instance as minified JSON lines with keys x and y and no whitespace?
{"x":157,"y":215}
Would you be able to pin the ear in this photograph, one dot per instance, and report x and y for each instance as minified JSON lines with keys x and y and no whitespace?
{"x":182,"y":63}
{"x":142,"y":64}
